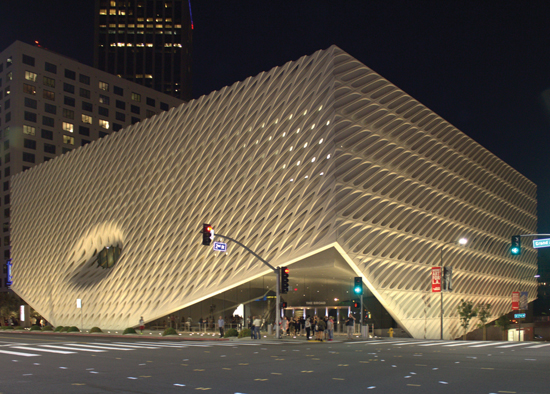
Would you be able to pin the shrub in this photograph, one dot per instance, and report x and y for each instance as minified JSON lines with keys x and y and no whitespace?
{"x":7,"y":328}
{"x":64,"y":329}
{"x":129,"y":330}
{"x":231,"y":333}
{"x":47,"y":328}
{"x":169,"y":331}
{"x":95,"y":329}
{"x":245,"y":333}
{"x":19,"y":328}
{"x":73,"y":329}
{"x":36,"y":328}
{"x":58,"y":329}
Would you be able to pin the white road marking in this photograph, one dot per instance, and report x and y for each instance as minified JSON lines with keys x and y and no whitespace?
{"x":459,"y":344}
{"x":513,"y":345}
{"x":72,"y":348}
{"x":538,"y":346}
{"x":96,"y":347}
{"x":19,"y":353}
{"x":42,"y":350}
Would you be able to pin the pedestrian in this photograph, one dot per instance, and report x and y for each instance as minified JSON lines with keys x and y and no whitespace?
{"x":284,"y":326}
{"x":221,"y":325}
{"x":350,"y":325}
{"x":291,"y":326}
{"x":320,"y":329}
{"x":257,"y":325}
{"x":251,"y":326}
{"x":141,"y":324}
{"x":307,"y":326}
{"x":330,"y":328}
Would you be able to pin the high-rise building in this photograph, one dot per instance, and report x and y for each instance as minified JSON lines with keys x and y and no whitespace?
{"x":147,"y":42}
{"x":50,"y":105}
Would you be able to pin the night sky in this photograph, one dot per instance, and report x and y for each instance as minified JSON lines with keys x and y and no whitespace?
{"x":481,"y":65}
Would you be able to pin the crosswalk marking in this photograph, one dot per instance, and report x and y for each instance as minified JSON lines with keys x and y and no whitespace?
{"x":459,"y":344}
{"x":37,"y":349}
{"x":538,"y":346}
{"x":123,"y":344}
{"x":411,"y":343}
{"x":98,"y":347}
{"x":513,"y":345}
{"x":19,"y":353}
{"x":487,"y":344}
{"x":73,"y":348}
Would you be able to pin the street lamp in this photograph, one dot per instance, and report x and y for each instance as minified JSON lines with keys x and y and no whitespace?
{"x":462,"y":241}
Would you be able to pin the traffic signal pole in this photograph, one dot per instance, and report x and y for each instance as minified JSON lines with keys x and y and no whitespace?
{"x":277,"y":272}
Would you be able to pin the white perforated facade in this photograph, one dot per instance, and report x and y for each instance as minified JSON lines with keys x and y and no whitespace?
{"x":319,"y":153}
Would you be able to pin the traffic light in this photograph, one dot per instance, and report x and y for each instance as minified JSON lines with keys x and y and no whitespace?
{"x":448,"y":278}
{"x":515,"y":248}
{"x":207,"y":234}
{"x":358,"y":285}
{"x":284,"y":280}
{"x":284,"y":305}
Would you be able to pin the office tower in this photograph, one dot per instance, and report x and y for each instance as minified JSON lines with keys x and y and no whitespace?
{"x":50,"y":105}
{"x":146,"y":41}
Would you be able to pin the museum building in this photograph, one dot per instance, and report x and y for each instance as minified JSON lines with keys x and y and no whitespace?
{"x":320,"y":165}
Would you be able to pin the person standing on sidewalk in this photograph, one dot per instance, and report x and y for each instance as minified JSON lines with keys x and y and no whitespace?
{"x":330,"y":328}
{"x":257,"y":325}
{"x":350,"y":325}
{"x":141,"y":324}
{"x":307,"y":325}
{"x":221,"y":325}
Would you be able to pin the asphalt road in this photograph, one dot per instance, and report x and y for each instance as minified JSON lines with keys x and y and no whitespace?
{"x":32,"y":364}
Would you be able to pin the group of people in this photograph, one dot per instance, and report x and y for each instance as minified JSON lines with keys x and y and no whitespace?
{"x":320,"y":328}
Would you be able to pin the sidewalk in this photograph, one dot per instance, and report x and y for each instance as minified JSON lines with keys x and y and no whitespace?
{"x":183,"y":336}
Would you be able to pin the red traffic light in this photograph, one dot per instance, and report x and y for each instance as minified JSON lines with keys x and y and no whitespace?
{"x":286,"y":270}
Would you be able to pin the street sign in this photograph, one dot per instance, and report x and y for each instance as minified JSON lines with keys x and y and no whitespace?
{"x":515,"y":300}
{"x":519,"y":315}
{"x":436,"y":279}
{"x":541,"y":243}
{"x":220,"y":247}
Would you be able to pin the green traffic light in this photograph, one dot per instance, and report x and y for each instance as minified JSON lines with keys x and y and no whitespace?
{"x":515,"y":250}
{"x":357,"y":290}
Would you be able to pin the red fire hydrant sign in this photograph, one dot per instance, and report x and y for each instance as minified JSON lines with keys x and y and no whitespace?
{"x":436,"y":279}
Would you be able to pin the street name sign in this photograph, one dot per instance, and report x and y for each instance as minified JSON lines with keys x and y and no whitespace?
{"x":220,"y":247}
{"x":541,"y":243}
{"x":519,"y":315}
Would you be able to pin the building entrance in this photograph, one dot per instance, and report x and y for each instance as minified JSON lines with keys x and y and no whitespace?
{"x":338,"y":313}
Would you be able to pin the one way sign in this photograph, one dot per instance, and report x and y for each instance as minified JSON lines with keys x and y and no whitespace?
{"x":220,"y":247}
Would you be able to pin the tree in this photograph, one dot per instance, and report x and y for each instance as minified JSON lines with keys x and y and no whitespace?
{"x":9,"y":305}
{"x":466,"y":311}
{"x":504,"y":323}
{"x":483,"y":314}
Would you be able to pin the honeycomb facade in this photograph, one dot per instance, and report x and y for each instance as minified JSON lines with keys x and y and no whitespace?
{"x":319,"y":153}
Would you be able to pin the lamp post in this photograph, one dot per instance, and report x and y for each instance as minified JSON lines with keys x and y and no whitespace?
{"x":461,"y":241}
